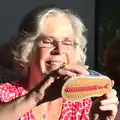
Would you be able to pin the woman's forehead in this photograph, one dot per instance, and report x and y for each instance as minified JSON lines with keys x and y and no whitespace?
{"x":57,"y":26}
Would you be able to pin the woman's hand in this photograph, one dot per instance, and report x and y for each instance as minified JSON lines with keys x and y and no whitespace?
{"x":50,"y":87}
{"x":105,"y":107}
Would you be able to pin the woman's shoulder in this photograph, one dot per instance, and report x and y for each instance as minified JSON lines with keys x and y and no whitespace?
{"x":11,"y":90}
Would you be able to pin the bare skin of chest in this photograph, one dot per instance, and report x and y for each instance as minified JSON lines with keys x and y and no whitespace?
{"x":48,"y":110}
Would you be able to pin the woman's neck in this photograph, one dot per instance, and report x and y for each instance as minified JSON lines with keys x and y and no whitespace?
{"x":33,"y":79}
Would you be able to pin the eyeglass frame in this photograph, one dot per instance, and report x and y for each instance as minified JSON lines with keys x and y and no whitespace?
{"x":54,"y":42}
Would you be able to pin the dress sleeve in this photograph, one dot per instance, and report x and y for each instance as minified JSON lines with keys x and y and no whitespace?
{"x":5,"y":95}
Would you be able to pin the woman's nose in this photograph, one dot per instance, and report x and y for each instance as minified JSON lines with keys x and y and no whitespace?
{"x":59,"y":48}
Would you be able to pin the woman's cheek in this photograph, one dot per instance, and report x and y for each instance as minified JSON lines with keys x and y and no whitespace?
{"x":70,"y":57}
{"x":43,"y":55}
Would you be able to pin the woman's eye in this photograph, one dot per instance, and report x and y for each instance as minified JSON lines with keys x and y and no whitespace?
{"x":67,"y":43}
{"x":47,"y":41}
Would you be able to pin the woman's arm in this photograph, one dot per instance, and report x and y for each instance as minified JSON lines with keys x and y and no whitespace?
{"x":16,"y":108}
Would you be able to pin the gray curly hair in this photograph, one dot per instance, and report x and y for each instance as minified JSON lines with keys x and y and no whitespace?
{"x":30,"y":28}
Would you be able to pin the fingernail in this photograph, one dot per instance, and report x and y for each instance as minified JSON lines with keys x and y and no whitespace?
{"x":86,"y":67}
{"x":86,"y":72}
{"x":101,"y":107}
{"x":74,"y":74}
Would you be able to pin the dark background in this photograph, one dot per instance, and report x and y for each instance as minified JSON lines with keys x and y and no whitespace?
{"x":107,"y":27}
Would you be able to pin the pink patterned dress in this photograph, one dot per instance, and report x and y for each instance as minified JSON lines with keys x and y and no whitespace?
{"x":70,"y":110}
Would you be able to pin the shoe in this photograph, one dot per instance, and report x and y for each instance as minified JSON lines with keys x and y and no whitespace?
{"x":81,"y":87}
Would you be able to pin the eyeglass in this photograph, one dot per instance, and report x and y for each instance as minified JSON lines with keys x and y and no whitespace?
{"x":50,"y":43}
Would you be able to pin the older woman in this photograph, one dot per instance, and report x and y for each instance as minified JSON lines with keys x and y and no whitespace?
{"x":50,"y":47}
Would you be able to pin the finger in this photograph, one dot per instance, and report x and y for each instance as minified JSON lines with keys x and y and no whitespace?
{"x":112,"y":83}
{"x":113,"y":100}
{"x":76,"y":69}
{"x":111,"y":93}
{"x":65,"y":72}
{"x":109,"y":107}
{"x":86,"y":66}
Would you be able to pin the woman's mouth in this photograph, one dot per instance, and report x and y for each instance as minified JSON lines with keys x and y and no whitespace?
{"x":54,"y":64}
